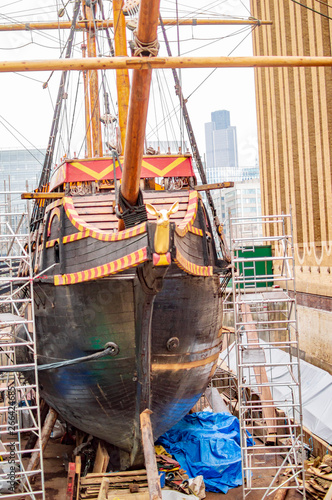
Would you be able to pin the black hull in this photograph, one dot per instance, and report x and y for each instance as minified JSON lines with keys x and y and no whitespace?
{"x":103,"y":397}
{"x":162,"y":310}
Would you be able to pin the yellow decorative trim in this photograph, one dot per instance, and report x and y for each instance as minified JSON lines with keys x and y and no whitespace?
{"x":51,"y":243}
{"x":195,"y":230}
{"x":93,"y":231}
{"x":183,"y":227}
{"x":113,"y":267}
{"x":164,"y":171}
{"x":92,"y":173}
{"x":191,"y":268}
{"x":54,"y":204}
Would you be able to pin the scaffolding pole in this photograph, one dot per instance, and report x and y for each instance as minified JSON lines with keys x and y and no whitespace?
{"x":267,"y":362}
{"x":19,"y":406}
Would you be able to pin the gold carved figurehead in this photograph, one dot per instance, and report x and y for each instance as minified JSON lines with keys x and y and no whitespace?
{"x":161,"y":237}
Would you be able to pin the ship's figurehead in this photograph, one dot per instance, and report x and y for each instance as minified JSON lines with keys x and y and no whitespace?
{"x":161,"y":237}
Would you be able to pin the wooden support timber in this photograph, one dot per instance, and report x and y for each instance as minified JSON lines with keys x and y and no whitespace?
{"x":150,"y":456}
{"x":268,"y":408}
{"x":45,"y":435}
{"x":146,"y":63}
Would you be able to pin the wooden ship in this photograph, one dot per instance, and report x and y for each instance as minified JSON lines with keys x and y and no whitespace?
{"x":125,"y":266}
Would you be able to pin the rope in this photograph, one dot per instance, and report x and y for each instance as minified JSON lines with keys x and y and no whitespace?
{"x":140,"y":49}
{"x":111,"y":350}
{"x":115,"y":158}
{"x":131,"y":215}
{"x":313,"y":10}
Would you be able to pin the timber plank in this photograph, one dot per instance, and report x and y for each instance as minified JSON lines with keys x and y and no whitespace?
{"x":93,"y":203}
{"x":95,"y":210}
{"x":165,"y":195}
{"x":113,"y":495}
{"x":103,"y":493}
{"x":78,"y":465}
{"x":140,"y":472}
{"x":113,"y":479}
{"x":102,"y":458}
{"x":168,"y":197}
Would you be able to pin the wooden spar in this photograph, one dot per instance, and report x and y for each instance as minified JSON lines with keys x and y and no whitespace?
{"x":64,"y":25}
{"x":95,"y":125}
{"x":41,"y":196}
{"x":122,"y":75}
{"x":138,"y":105}
{"x":87,"y":106}
{"x":143,"y":63}
{"x":217,"y":185}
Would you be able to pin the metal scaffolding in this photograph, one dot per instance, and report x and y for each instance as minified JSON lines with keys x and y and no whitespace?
{"x":266,"y":358}
{"x":19,"y":403}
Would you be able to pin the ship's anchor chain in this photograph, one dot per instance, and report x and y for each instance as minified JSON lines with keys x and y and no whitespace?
{"x":140,"y":49}
{"x":111,"y":349}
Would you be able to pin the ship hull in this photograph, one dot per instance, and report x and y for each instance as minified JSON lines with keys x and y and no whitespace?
{"x":104,"y":397}
{"x":160,"y":310}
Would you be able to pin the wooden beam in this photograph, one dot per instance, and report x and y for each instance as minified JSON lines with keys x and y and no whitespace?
{"x":281,"y":494}
{"x":102,"y":459}
{"x":45,"y":435}
{"x":150,"y":456}
{"x":41,"y":196}
{"x":145,"y":63}
{"x":108,"y":23}
{"x":103,"y":492}
{"x":78,"y":467}
{"x":265,"y":393}
{"x":218,"y":185}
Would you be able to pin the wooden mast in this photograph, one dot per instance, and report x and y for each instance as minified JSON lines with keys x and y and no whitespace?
{"x":87,"y":105}
{"x":95,"y":125}
{"x":122,"y":76}
{"x":138,"y":107}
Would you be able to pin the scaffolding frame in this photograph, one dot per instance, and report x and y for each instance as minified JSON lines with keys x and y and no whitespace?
{"x":19,"y":409}
{"x":267,"y":361}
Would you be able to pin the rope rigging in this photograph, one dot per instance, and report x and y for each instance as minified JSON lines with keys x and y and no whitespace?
{"x":39,"y":208}
{"x":111,"y":349}
{"x":194,"y":147}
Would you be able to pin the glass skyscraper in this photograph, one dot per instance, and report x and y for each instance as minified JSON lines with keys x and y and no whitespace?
{"x":221,"y":145}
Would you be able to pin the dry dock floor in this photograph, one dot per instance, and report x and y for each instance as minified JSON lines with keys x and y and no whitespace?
{"x":56,"y":457}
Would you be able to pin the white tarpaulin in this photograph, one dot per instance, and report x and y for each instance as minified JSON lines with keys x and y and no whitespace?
{"x":316,"y":388}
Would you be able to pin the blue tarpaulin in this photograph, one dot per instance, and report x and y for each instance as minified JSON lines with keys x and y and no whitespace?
{"x":208,"y":444}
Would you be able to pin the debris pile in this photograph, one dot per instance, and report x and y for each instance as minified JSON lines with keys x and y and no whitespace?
{"x":318,"y":477}
{"x":118,"y":484}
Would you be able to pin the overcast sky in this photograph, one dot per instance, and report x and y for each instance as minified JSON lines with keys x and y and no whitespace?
{"x":28,"y":107}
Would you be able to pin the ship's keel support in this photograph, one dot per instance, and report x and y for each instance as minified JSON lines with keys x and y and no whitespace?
{"x":150,"y":456}
{"x":149,"y":283}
